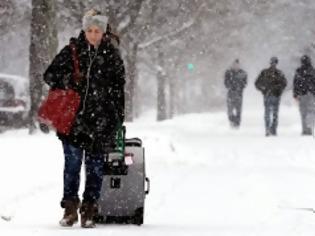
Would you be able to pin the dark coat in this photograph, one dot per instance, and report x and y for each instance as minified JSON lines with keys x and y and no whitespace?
{"x":304,"y":80}
{"x":102,"y":94}
{"x":235,"y":80}
{"x":271,"y":82}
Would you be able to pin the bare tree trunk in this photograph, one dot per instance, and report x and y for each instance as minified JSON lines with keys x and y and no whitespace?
{"x":53,"y":32}
{"x":161,"y":83}
{"x":181,"y":96}
{"x":172,"y":96}
{"x":131,"y":81}
{"x":173,"y":81}
{"x":137,"y":98}
{"x":42,"y":38}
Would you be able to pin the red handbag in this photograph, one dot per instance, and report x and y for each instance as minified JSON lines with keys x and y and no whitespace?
{"x":60,"y":107}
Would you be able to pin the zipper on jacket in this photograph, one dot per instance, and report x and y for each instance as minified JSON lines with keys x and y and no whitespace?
{"x":88,"y":76}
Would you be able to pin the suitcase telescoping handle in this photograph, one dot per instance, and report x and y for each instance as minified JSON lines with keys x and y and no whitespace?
{"x":147,"y":180}
{"x":120,"y":140}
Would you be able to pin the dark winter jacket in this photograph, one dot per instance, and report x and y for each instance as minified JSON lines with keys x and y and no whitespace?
{"x":235,"y":80}
{"x":102,"y":93}
{"x":271,"y":82}
{"x":304,"y":81}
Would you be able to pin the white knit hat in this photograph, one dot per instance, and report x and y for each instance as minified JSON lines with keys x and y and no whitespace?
{"x":90,"y":19}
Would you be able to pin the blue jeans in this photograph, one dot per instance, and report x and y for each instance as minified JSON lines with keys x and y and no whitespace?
{"x":271,"y":114}
{"x":94,"y":164}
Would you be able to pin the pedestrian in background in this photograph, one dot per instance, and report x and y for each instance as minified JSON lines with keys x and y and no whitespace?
{"x":235,"y":81}
{"x":303,"y":92}
{"x":271,"y":82}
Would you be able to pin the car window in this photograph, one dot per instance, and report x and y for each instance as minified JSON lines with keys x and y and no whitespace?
{"x":2,"y":94}
{"x":6,"y":91}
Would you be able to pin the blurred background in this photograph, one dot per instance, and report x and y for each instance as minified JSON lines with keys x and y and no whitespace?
{"x":175,"y":52}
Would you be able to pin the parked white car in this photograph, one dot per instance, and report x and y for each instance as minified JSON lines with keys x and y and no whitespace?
{"x":14,"y":100}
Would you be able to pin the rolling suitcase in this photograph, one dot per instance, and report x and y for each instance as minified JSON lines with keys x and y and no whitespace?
{"x":124,"y":186}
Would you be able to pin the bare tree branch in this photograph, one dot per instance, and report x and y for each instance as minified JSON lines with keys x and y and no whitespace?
{"x":174,"y":33}
{"x":133,"y":17}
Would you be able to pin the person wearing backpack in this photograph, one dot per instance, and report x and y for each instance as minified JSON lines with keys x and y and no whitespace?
{"x":271,"y":83}
{"x":101,"y":110}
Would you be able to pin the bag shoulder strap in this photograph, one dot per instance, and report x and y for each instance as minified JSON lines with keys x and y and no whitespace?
{"x":76,"y":64}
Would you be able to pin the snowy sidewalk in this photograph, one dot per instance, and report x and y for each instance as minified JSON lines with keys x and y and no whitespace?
{"x":205,"y":179}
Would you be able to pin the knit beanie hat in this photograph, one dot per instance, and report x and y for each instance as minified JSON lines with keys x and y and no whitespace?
{"x":93,"y":17}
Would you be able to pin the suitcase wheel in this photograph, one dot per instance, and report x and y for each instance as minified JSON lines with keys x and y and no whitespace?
{"x":138,"y":217}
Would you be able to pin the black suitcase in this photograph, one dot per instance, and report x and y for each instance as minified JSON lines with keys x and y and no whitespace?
{"x":125,"y":186}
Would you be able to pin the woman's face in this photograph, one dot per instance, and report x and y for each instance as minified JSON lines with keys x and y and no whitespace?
{"x":94,"y":35}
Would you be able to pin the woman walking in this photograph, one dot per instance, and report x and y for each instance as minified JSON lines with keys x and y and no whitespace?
{"x":101,"y":110}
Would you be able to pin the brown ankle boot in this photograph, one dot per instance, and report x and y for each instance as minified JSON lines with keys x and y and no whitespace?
{"x":70,"y":216}
{"x":88,"y":212}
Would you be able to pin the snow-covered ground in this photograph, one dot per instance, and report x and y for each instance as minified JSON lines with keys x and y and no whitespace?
{"x":206,"y":179}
